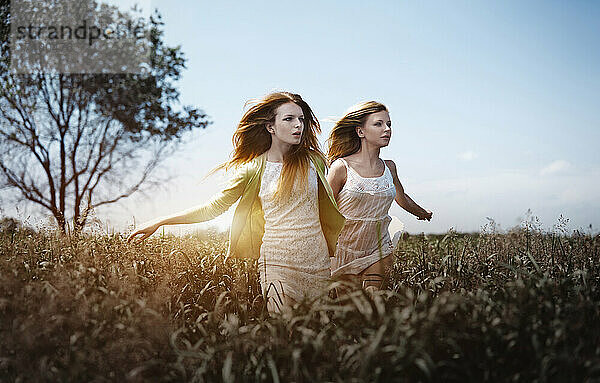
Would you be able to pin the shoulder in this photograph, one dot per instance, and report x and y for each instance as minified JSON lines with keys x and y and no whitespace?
{"x":337,"y":169}
{"x":250,"y":168}
{"x":254,"y":164}
{"x":338,"y":165}
{"x":391,"y":165}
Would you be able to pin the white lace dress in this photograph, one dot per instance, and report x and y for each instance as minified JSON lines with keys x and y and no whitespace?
{"x":294,"y":260}
{"x":365,"y":239}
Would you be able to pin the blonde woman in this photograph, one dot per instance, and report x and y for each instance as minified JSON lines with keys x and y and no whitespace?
{"x":364,"y":187}
{"x":287,"y":217}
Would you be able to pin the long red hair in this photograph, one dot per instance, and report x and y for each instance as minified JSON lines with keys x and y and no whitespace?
{"x":251,"y":139}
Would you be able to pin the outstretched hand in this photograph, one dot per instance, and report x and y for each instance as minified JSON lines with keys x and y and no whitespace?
{"x":427,"y":216}
{"x":145,"y":231}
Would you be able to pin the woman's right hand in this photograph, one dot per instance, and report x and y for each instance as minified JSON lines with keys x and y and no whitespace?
{"x":145,"y":231}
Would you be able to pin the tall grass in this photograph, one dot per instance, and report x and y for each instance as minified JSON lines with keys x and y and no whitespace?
{"x":521,"y":305}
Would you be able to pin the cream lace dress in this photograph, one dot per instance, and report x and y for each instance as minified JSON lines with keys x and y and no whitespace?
{"x":294,"y":260}
{"x":365,"y":239}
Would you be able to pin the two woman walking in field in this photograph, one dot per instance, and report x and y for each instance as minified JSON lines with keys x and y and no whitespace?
{"x":288,"y":217}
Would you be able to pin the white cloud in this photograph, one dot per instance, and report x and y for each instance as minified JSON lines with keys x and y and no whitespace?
{"x":467,"y":156}
{"x":555,"y":167}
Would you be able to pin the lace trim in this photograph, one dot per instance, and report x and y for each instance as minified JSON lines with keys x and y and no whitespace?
{"x":360,"y":184}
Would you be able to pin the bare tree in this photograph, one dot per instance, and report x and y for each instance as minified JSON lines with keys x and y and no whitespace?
{"x":73,"y":142}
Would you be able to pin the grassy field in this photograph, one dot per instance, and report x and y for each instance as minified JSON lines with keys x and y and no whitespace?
{"x":522,"y":305}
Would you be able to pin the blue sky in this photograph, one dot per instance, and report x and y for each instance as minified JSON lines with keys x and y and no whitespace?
{"x":492,"y":103}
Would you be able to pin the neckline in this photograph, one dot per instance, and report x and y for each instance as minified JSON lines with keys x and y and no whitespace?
{"x":367,"y":178}
{"x":273,"y":162}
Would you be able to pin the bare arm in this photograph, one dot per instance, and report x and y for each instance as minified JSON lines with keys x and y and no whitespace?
{"x":403,"y":199}
{"x":336,"y":177}
{"x":218,"y":204}
{"x":149,"y":228}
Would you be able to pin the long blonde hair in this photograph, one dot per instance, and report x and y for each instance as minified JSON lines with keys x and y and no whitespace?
{"x":251,"y":139}
{"x":343,"y":139}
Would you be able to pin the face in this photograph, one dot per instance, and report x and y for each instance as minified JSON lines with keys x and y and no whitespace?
{"x":377,"y":129}
{"x":289,"y":124}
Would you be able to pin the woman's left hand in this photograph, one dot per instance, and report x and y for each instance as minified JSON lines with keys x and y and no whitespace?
{"x":427,"y":216}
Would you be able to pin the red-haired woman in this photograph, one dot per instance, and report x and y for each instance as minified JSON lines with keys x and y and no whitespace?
{"x":287,"y":216}
{"x":364,"y":187}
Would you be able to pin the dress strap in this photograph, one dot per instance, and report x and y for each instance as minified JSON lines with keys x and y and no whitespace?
{"x":348,"y":168}
{"x":386,"y":168}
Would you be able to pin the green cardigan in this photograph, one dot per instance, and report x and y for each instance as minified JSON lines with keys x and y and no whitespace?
{"x":248,"y":226}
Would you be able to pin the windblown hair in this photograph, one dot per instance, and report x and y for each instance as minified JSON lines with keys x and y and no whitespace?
{"x":251,"y":139}
{"x":343,"y":139}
